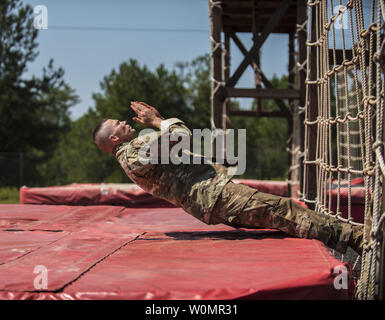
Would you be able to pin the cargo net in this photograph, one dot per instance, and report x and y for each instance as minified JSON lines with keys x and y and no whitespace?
{"x":344,"y":120}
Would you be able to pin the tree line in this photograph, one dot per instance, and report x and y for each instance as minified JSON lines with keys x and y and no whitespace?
{"x":35,"y":113}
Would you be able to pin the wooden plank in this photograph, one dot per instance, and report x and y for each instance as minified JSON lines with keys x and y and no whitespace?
{"x":281,"y":29}
{"x":261,"y":93}
{"x":273,"y":22}
{"x":249,"y":15}
{"x":248,"y":21}
{"x":261,"y":113}
{"x":263,"y":5}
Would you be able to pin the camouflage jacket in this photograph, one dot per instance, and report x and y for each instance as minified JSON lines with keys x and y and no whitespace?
{"x":193,"y":187}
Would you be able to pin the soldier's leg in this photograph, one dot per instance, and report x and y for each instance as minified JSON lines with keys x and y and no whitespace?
{"x":268,"y":211}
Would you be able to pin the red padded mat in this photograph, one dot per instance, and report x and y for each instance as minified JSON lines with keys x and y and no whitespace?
{"x":111,"y":252}
{"x":130,"y":195}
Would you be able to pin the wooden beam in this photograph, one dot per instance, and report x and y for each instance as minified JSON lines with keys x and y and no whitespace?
{"x":281,"y":29}
{"x":236,"y":17}
{"x":247,"y":11}
{"x":348,"y":56}
{"x":269,"y":27}
{"x":248,"y":22}
{"x":261,"y":93}
{"x":268,"y":4}
{"x":236,"y":4}
{"x":265,"y":81}
{"x":339,"y":56}
{"x":261,"y":113}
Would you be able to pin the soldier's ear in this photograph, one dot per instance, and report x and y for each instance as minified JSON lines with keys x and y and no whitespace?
{"x":113,"y":138}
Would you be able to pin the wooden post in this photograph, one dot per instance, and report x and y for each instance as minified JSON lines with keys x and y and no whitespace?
{"x":312,"y":112}
{"x":300,"y":84}
{"x":217,"y":99}
{"x":298,"y":133}
{"x":226,"y":76}
{"x":257,"y":64}
{"x":226,"y":101}
{"x":291,"y":121}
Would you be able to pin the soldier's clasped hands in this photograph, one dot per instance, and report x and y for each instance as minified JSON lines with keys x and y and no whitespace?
{"x":146,"y":114}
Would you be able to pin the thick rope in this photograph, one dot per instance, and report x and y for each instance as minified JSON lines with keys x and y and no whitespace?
{"x":350,"y":101}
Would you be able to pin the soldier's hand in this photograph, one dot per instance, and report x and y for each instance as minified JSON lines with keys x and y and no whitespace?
{"x":146,"y":115}
{"x":152,"y":108}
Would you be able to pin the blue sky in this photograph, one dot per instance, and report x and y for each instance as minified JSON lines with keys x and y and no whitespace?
{"x":88,"y":55}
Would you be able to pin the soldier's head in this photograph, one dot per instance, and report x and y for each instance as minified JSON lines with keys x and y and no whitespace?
{"x":109,"y":133}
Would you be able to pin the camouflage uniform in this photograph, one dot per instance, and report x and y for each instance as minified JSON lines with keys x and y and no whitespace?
{"x":206,"y":192}
{"x":235,"y":208}
{"x":193,"y":187}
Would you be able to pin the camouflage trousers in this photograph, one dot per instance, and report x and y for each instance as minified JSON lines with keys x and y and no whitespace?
{"x":241,"y":206}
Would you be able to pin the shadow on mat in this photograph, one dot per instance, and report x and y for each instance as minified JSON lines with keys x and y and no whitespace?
{"x":226,"y":235}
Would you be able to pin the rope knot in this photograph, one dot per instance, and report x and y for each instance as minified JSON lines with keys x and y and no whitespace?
{"x":374,"y":234}
{"x":377,"y":145}
{"x":369,"y":100}
{"x":379,"y":57}
{"x":369,"y":169}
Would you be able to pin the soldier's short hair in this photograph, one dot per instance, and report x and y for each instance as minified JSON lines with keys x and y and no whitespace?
{"x":97,"y":129}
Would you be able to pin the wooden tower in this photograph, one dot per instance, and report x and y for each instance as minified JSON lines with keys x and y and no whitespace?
{"x":260,"y":18}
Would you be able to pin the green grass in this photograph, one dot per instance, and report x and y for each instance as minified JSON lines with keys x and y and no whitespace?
{"x":9,"y":195}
